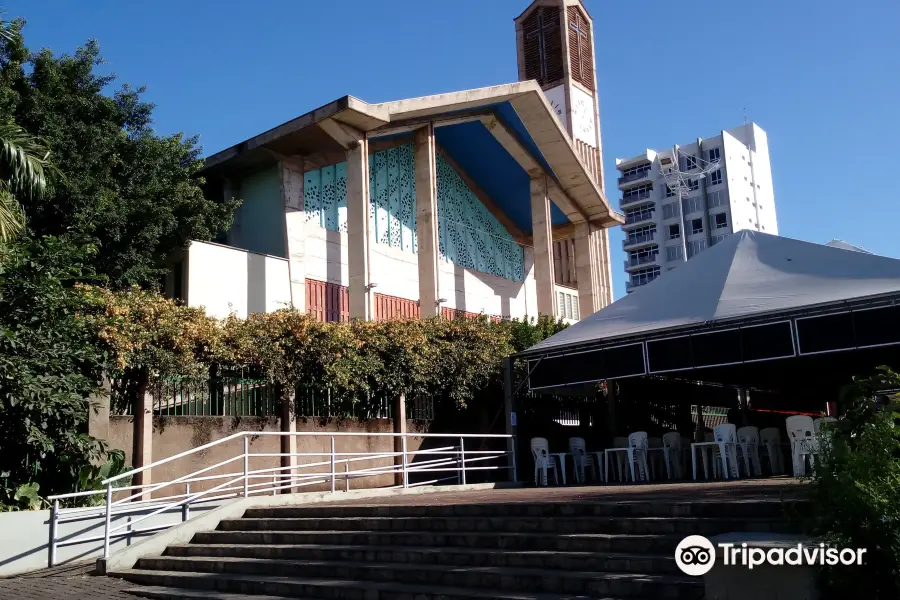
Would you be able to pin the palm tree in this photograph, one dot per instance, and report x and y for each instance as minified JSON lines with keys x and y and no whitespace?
{"x":24,"y":165}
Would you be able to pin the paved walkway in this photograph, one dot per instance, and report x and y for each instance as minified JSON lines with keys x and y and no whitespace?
{"x":71,"y":582}
{"x":78,"y":582}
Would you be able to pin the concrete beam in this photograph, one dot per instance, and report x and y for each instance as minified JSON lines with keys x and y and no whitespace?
{"x":511,"y":144}
{"x":343,"y":134}
{"x":543,"y":247}
{"x":427,"y":221}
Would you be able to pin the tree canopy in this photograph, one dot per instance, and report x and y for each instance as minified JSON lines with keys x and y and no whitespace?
{"x":129,"y":192}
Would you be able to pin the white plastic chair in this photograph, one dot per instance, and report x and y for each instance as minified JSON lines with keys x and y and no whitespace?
{"x":656,"y":459}
{"x":672,"y":454}
{"x":540,"y":450}
{"x":618,"y":453}
{"x":581,"y":459}
{"x":801,"y":432}
{"x":637,"y":454}
{"x":770,"y":441}
{"x":748,"y":445}
{"x":709,"y":441}
{"x":726,"y":443}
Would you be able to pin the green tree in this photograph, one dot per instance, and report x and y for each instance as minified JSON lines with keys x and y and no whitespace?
{"x":24,"y":163}
{"x":51,"y":361}
{"x":129,"y":192}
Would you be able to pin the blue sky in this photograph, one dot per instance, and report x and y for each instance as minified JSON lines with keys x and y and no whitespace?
{"x":822,"y":77}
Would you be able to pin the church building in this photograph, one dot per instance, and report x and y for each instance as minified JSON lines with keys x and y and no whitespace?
{"x":485,"y":201}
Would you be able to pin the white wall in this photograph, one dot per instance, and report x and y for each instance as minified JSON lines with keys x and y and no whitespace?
{"x":25,"y":535}
{"x":226,"y":280}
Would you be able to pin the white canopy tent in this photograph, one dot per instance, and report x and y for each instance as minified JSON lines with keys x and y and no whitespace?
{"x":752,"y":297}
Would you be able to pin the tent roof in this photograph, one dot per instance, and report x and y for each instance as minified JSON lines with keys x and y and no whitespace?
{"x":747,"y":274}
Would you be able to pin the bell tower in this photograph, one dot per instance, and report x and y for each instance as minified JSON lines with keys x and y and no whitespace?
{"x":555,"y":44}
{"x":555,"y":47}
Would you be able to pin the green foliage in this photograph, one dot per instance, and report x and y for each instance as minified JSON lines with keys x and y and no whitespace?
{"x":131,"y":193}
{"x":23,"y":497}
{"x":51,"y":361}
{"x":858,"y":488}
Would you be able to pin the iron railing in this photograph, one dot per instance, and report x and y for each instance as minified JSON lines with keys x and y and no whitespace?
{"x":440,"y":457}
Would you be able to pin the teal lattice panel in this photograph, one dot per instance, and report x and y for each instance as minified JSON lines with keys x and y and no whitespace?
{"x":469,"y":235}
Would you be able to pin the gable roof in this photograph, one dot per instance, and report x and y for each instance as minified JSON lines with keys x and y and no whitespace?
{"x":747,"y":274}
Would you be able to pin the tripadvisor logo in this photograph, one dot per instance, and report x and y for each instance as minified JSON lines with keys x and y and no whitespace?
{"x":695,"y":555}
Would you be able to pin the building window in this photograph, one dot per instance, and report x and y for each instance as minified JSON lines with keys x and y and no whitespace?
{"x":641,"y":234}
{"x":697,"y":226}
{"x":635,"y":172}
{"x":674,"y":232}
{"x":670,"y":210}
{"x":715,"y":178}
{"x":636,"y":215}
{"x":644,"y":276}
{"x":639,"y":193}
{"x":669,"y":192}
{"x":580,"y":57}
{"x":717,"y":198}
{"x":543,"y":45}
{"x":690,"y":162}
{"x":674,"y":253}
{"x":721,"y":220}
{"x":693,"y":184}
{"x":643,"y":256}
{"x":695,"y":247}
{"x":713,"y":154}
{"x":692,"y":205}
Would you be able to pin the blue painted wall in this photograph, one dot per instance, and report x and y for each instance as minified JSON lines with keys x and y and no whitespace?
{"x":262,"y":214}
{"x":470,"y":236}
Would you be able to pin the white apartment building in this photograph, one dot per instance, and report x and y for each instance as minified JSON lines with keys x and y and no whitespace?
{"x":661,"y":232}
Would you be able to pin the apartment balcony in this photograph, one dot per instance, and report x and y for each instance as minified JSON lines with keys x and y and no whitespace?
{"x":640,"y":219}
{"x":631,"y":286}
{"x":631,"y":201}
{"x":635,"y":178}
{"x":633,"y":242}
{"x":637,"y":262}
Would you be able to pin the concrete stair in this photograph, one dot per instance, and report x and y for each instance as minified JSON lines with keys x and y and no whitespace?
{"x":598,"y":550}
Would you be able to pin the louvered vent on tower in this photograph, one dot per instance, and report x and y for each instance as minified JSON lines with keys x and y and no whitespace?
{"x":580,"y":57}
{"x":543,"y":45}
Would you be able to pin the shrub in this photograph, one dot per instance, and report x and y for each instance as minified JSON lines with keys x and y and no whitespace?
{"x":858,"y":489}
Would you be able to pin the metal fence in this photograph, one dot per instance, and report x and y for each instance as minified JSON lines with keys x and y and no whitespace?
{"x":441,"y":458}
{"x":243,"y":397}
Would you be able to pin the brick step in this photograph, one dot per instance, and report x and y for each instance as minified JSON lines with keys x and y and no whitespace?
{"x":639,"y":525}
{"x":592,"y":542}
{"x":722,"y":508}
{"x":172,"y":584}
{"x":500,"y":579}
{"x":460,"y":557}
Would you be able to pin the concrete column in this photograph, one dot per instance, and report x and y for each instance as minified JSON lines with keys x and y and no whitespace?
{"x":142,"y":439}
{"x":288,"y":442}
{"x":542,"y":236}
{"x":587,"y":271}
{"x":361,"y":296}
{"x":291,"y":170}
{"x":605,"y":267}
{"x":427,"y":221}
{"x":399,"y":427}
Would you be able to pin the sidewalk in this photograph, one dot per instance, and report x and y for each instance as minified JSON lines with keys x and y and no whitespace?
{"x":69,"y":582}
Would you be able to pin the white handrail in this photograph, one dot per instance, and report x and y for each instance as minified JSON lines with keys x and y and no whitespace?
{"x":245,"y":482}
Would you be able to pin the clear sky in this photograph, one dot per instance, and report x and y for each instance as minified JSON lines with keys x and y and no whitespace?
{"x":822,"y":77}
